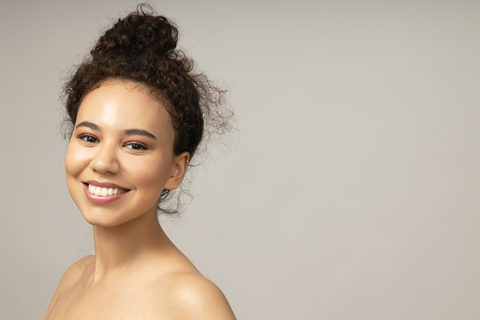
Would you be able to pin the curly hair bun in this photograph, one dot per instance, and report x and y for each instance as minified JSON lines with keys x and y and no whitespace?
{"x":138,"y":33}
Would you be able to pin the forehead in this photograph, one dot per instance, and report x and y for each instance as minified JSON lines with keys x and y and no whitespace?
{"x":124,"y":105}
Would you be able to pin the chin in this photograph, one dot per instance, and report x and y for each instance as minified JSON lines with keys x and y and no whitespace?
{"x":102,"y":218}
{"x":104,"y":223}
{"x":107,"y":218}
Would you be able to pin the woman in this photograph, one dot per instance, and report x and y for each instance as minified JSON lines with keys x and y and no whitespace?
{"x":137,"y":113}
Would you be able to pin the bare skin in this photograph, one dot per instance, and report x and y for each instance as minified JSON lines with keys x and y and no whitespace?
{"x":136,"y":272}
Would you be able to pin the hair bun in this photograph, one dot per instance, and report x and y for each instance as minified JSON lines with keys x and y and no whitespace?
{"x":139,"y":33}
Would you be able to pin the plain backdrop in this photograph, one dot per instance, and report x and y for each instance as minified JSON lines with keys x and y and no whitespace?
{"x":351,"y":190}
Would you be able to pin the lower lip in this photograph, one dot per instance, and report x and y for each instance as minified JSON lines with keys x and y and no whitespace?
{"x":100,"y":199}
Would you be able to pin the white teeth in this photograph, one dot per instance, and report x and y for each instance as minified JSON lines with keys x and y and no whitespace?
{"x":98,"y":191}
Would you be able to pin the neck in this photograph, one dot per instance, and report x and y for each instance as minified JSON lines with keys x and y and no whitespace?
{"x":128,"y":246}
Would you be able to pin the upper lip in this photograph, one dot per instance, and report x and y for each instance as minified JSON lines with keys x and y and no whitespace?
{"x":104,"y":184}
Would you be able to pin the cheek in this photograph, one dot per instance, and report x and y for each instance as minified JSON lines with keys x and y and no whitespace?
{"x":75,"y":160}
{"x":150,"y":175}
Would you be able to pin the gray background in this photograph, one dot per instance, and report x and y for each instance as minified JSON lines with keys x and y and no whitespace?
{"x":352,"y":190}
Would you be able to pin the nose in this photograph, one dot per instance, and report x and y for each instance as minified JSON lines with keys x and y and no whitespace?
{"x":105,"y":160}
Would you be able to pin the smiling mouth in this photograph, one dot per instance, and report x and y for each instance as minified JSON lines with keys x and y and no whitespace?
{"x":103,"y":192}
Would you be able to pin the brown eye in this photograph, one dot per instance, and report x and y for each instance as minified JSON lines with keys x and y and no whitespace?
{"x":136,"y":146}
{"x":88,"y":138}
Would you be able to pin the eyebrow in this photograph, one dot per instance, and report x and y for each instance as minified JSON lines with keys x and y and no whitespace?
{"x":125,"y":132}
{"x":137,"y":132}
{"x":88,"y":124}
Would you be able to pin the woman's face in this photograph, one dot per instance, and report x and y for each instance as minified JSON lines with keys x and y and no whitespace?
{"x":120,"y":156}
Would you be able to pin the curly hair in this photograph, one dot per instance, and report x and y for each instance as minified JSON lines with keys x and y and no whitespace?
{"x":142,"y":48}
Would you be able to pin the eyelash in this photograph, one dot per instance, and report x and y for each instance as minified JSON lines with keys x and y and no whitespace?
{"x":131,"y":143}
{"x":136,"y":143}
{"x":87,"y":135}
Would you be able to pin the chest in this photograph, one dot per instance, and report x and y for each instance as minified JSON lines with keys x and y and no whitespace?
{"x":114,"y":302}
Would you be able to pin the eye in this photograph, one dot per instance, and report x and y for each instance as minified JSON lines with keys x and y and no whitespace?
{"x":88,"y":138}
{"x":136,"y":145}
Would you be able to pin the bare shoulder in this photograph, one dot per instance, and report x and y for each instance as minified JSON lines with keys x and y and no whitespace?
{"x":71,"y":277}
{"x":192,"y":296}
{"x":76,"y":271}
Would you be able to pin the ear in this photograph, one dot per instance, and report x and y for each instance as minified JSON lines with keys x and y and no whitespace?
{"x":179,"y":168}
